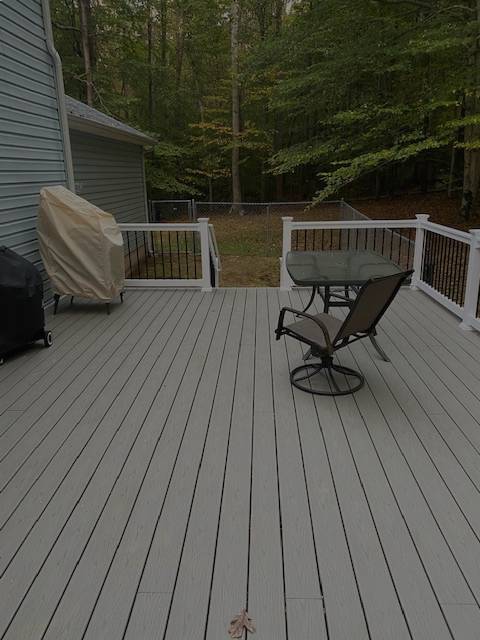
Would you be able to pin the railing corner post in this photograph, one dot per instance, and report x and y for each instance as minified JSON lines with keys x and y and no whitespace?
{"x":205,"y":249}
{"x":472,"y":285}
{"x":418,"y":252}
{"x":285,"y":281}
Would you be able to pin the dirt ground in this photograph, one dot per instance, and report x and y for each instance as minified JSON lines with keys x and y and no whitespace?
{"x":250,"y":245}
{"x":441,"y":208}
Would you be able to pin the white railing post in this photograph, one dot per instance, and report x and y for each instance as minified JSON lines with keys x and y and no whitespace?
{"x":473,"y":282}
{"x":419,"y":246}
{"x":286,"y":282}
{"x":205,"y":248}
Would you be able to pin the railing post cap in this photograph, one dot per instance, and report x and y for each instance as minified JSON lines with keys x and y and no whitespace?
{"x":422,"y":216}
{"x":287,"y":218}
{"x":203,"y":219}
{"x":475,"y":232}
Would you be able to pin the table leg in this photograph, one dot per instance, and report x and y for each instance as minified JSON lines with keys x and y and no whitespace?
{"x":312,"y":298}
{"x":326,"y":299}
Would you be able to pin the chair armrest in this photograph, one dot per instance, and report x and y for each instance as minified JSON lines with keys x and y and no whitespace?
{"x":319,"y":323}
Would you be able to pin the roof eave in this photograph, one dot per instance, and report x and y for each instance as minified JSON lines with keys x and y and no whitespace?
{"x":82,"y":124}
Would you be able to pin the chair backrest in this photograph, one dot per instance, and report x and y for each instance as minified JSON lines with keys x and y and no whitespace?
{"x":372,"y":301}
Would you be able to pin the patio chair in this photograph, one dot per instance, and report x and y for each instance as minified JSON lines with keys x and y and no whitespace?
{"x":326,"y":334}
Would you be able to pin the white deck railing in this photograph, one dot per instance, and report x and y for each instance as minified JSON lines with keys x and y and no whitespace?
{"x":445,"y":261}
{"x":168,"y":255}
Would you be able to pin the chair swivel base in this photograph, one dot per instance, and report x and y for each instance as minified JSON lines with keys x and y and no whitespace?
{"x":326,"y":369}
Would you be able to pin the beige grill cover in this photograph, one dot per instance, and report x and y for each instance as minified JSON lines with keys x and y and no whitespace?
{"x":81,"y":246}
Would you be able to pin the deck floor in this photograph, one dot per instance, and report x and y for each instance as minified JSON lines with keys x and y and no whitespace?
{"x":158,"y":474}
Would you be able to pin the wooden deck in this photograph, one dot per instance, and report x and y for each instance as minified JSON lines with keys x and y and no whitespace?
{"x":158,"y":474}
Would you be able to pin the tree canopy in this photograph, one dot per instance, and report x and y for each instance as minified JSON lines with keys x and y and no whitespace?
{"x":313,"y":99}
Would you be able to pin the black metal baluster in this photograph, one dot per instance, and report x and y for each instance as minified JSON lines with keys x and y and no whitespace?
{"x":443,"y":263}
{"x":441,"y":274}
{"x":409,"y":246}
{"x":434,"y":259}
{"x":466,"y":254}
{"x":129,"y":255}
{"x":145,"y":252}
{"x":178,"y":256}
{"x":425,"y":257}
{"x":194,"y":236}
{"x":138,"y":257}
{"x":152,"y":240}
{"x":457,"y":274}
{"x":170,"y":253}
{"x":451,"y":244}
{"x":163,"y":254}
{"x":186,"y":253}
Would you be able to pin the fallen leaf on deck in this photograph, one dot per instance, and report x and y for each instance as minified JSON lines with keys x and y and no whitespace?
{"x":240,"y":623}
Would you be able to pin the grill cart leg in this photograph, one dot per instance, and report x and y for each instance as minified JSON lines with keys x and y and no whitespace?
{"x":56,"y":298}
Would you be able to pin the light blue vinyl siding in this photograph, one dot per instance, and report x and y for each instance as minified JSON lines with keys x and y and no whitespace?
{"x":31,"y":147}
{"x":109,"y":173}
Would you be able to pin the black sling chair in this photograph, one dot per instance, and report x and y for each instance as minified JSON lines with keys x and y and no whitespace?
{"x":325,"y":335}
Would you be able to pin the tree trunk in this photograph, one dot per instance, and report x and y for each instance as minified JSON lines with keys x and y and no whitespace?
{"x":163,"y":29}
{"x":278,"y":17}
{"x":84,"y":6}
{"x":451,"y":174}
{"x":236,"y":126}
{"x":151,"y":106}
{"x":471,"y":167}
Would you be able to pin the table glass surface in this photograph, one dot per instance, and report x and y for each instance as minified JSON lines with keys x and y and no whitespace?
{"x":337,"y":268}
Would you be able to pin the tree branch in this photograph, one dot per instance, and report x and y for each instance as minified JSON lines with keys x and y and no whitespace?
{"x":65,"y":27}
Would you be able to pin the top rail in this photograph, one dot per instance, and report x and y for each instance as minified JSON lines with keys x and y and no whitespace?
{"x":352,"y":224}
{"x":159,"y":226}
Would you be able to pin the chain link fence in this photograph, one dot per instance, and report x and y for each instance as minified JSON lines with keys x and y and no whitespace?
{"x":249,"y":234}
{"x":171,"y":211}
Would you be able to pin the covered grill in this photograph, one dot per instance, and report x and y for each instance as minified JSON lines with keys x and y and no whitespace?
{"x":81,"y":247}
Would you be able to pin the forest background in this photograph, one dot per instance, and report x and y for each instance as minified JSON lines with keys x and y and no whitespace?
{"x":273,"y":100}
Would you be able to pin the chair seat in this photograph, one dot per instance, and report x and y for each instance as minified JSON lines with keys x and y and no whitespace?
{"x":312,"y":333}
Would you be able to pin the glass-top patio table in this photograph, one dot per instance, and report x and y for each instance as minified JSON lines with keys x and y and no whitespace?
{"x":348,"y":269}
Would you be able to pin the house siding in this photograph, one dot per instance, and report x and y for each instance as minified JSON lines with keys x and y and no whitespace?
{"x":109,"y":173}
{"x":31,"y":144}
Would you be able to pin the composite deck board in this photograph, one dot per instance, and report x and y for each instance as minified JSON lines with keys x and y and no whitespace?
{"x":191,"y":588}
{"x":442,"y":342}
{"x":69,"y":389}
{"x":67,"y":346}
{"x":266,"y":580}
{"x":345,"y":613}
{"x":155,"y":532}
{"x":49,"y":467}
{"x":136,"y":435}
{"x":160,"y":474}
{"x":229,"y":572}
{"x":385,"y":616}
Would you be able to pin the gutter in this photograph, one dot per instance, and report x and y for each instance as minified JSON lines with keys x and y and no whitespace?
{"x":62,"y":109}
